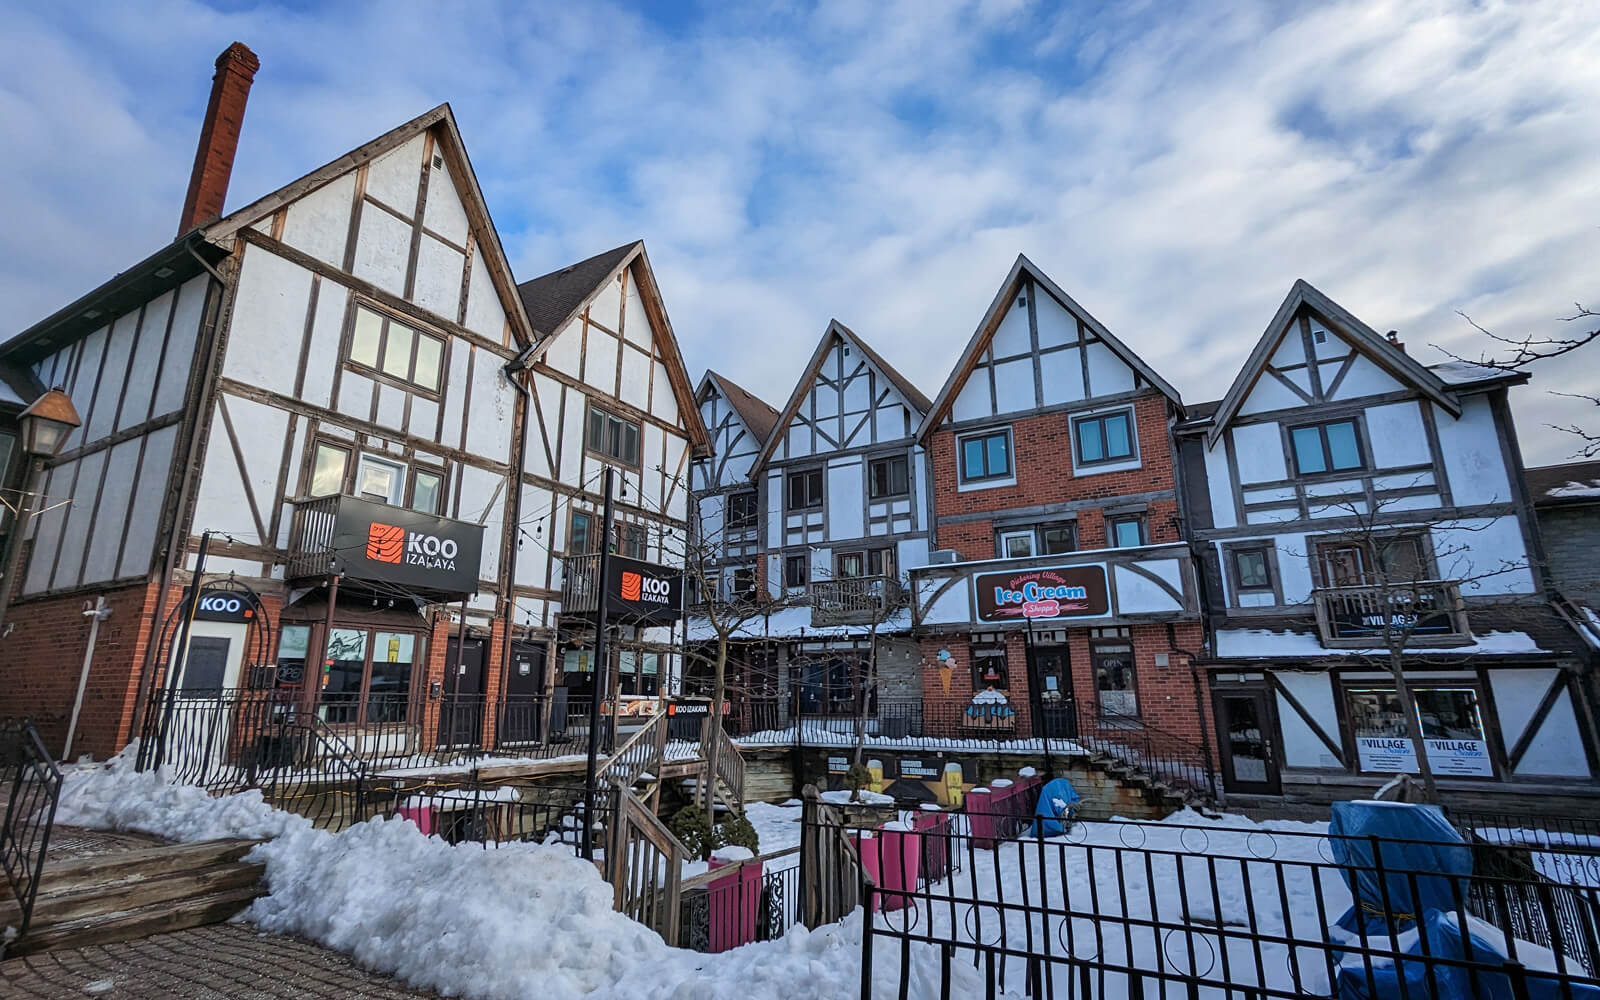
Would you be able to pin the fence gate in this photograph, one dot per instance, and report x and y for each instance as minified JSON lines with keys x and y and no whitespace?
{"x":831,"y":877}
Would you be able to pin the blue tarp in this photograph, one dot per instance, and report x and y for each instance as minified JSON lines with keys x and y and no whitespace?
{"x":1420,"y":894}
{"x":1058,"y":802}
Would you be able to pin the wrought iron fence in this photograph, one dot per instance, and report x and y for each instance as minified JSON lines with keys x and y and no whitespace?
{"x":756,"y":902}
{"x":1155,"y":909}
{"x":33,"y":786}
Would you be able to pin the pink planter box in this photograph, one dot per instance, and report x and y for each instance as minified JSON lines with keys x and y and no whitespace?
{"x":423,"y":816}
{"x":891,"y":859}
{"x":734,"y":900}
{"x":935,"y":829}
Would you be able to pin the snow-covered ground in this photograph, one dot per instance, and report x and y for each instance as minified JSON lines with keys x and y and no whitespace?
{"x":523,"y":921}
{"x":822,"y":736}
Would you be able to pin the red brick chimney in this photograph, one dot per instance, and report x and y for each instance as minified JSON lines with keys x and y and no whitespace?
{"x":219,"y":136}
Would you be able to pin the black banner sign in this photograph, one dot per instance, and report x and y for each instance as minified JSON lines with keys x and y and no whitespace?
{"x":374,"y":541}
{"x":641,"y":593}
{"x":1054,"y":592}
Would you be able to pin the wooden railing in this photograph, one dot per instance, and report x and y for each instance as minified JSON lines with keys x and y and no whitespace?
{"x":644,"y":751}
{"x":730,"y":765}
{"x":831,"y":875}
{"x":1423,"y":613}
{"x":311,"y":538}
{"x":855,"y":600}
{"x":644,"y":864}
{"x":580,"y":584}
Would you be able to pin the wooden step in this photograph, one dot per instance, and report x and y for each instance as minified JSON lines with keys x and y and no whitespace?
{"x":55,"y":907}
{"x":145,"y":862}
{"x":126,"y":925}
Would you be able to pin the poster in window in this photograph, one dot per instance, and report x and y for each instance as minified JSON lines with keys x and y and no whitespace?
{"x":1452,"y":730}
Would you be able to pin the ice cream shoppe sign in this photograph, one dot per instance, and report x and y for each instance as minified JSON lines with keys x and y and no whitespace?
{"x":1055,"y":592}
{"x":1452,"y":758}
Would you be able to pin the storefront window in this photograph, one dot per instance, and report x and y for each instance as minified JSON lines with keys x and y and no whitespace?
{"x":292,"y":643}
{"x":367,"y":676}
{"x":390,"y":688}
{"x":342,"y":673}
{"x":1452,"y":729}
{"x":1113,"y":672}
{"x":989,"y":670}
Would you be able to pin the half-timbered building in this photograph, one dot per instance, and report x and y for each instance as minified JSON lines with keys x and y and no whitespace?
{"x":1349,"y":502}
{"x":1061,"y":597}
{"x":728,"y":498}
{"x":380,"y":445}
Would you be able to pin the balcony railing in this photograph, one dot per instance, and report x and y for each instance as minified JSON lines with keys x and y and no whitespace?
{"x":1425,"y":613}
{"x":857,"y":600}
{"x":373,"y":540}
{"x":311,"y":538}
{"x":580,"y":584}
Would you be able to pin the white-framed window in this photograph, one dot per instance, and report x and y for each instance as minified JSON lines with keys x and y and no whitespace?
{"x":1104,"y":438}
{"x":985,"y":457}
{"x":380,"y":479}
{"x":1016,"y":544}
{"x":384,"y":344}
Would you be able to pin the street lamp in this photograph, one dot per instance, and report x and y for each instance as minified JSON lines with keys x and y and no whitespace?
{"x":45,"y":425}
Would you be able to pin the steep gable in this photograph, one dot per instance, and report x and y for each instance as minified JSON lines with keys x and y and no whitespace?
{"x":848,"y":396}
{"x":403,"y":213}
{"x":1034,"y":348}
{"x":1315,"y":352}
{"x":739,"y":424}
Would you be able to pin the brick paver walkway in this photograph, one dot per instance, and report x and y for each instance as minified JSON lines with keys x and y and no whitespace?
{"x":220,"y":962}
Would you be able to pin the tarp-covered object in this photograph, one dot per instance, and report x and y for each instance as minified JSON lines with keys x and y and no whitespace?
{"x":1408,"y":871}
{"x":1415,"y":848}
{"x":1057,"y":805}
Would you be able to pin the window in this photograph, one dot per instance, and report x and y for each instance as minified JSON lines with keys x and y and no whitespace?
{"x":805,"y":489}
{"x":327,"y":470}
{"x":744,"y":583}
{"x":872,"y":562}
{"x":398,"y":351}
{"x":1055,"y":539}
{"x":852,"y":564}
{"x":1125,"y":532}
{"x":380,"y":479}
{"x":1104,"y":438}
{"x":1113,"y":676}
{"x":1251,"y":569}
{"x":1451,"y":724}
{"x":888,"y":477}
{"x":985,"y":456}
{"x":367,"y":676}
{"x":427,"y":491}
{"x":1401,"y":559}
{"x":794,"y":571}
{"x":632,"y":540}
{"x":880,"y":562}
{"x":581,"y":541}
{"x":1331,"y":447}
{"x":742,"y":511}
{"x":610,"y":436}
{"x":1016,"y":544}
{"x":293,"y":642}
{"x":989,"y":670}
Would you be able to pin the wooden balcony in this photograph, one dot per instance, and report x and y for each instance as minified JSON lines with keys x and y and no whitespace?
{"x":856,"y":600}
{"x":580,"y":584}
{"x":1369,"y":616}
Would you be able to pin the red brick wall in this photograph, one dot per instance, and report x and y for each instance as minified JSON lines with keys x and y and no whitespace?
{"x":1043,"y":459}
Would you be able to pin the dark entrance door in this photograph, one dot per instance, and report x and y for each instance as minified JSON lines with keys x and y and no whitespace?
{"x":1051,"y":675}
{"x":205,"y":665}
{"x":461,"y":711}
{"x":1245,"y":730}
{"x":522,"y":709}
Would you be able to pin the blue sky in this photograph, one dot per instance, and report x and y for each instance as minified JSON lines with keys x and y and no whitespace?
{"x":1173,"y":166}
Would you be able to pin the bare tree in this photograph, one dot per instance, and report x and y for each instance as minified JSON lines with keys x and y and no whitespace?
{"x":1514,"y":353}
{"x":1378,"y":582}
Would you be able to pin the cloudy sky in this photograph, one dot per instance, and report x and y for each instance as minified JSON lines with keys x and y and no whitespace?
{"x":1174,"y":167}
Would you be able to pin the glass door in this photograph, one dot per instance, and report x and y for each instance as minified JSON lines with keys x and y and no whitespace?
{"x":1244,"y":730}
{"x":1057,"y":707}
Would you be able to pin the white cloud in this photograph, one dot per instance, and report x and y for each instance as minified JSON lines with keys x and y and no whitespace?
{"x":1174,"y":169}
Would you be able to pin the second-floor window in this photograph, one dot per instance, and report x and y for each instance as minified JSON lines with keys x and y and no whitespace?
{"x":744,"y":583}
{"x":1107,"y":437}
{"x":888,"y":477}
{"x":742,"y":511}
{"x":581,"y":540}
{"x":378,"y":478}
{"x":1397,"y":560}
{"x":985,"y":456}
{"x":1043,"y":540}
{"x":805,"y":489}
{"x":1252,"y":570}
{"x":1329,"y":447}
{"x":794,"y":571}
{"x":613,"y":437}
{"x":386,"y":345}
{"x":633,"y":540}
{"x":872,"y":562}
{"x":1125,"y":532}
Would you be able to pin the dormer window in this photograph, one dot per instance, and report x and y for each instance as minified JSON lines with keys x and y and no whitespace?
{"x":1334,"y":446}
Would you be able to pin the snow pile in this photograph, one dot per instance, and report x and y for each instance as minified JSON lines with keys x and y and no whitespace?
{"x":521,"y":921}
{"x":841,"y":797}
{"x":777,"y":827}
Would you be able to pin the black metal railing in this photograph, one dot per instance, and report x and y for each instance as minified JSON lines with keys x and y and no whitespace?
{"x":1180,"y":764}
{"x":33,"y":785}
{"x":1158,"y":909}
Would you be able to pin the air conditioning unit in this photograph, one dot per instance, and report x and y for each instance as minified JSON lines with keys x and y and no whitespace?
{"x":943,"y":557}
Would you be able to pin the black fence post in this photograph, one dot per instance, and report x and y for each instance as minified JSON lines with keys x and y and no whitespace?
{"x":866,"y":944}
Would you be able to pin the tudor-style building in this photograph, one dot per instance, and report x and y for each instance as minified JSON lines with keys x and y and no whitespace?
{"x":727,"y":499}
{"x":331,"y":392}
{"x":1061,"y":598}
{"x":1343,"y":495}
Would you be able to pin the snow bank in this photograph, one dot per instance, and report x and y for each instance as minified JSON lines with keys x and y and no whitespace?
{"x":521,"y":921}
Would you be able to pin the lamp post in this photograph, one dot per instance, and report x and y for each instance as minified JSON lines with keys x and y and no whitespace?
{"x":45,"y":425}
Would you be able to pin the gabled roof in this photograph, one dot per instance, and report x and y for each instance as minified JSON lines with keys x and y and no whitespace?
{"x":808,"y":375}
{"x":552,"y":293}
{"x":552,"y":299}
{"x":758,"y":416}
{"x":455,"y":152}
{"x":1377,"y":349}
{"x":1024,"y":269}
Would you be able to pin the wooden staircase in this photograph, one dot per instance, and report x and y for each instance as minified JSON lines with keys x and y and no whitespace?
{"x":133,"y":894}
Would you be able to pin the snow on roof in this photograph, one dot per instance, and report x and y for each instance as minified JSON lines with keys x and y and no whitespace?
{"x":795,"y":623}
{"x":1255,"y":642}
{"x":1467,"y":372}
{"x":1576,"y":489}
